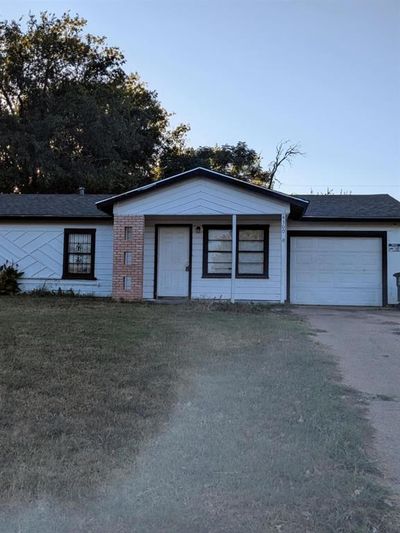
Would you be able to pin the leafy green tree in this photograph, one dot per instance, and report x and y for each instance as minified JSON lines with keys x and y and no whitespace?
{"x":236,"y":160}
{"x":69,"y":114}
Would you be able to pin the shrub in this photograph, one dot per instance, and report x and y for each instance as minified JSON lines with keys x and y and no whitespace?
{"x":43,"y":291}
{"x":9,"y":278}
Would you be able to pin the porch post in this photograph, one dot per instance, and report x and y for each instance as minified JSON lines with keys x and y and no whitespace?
{"x":233,"y":273}
{"x":283,"y":256}
{"x":128,"y":245}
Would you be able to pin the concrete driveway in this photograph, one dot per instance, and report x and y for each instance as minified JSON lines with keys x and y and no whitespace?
{"x":367,"y":345}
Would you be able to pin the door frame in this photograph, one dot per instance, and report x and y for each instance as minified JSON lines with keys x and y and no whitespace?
{"x":156,"y":241}
{"x":360,"y":234}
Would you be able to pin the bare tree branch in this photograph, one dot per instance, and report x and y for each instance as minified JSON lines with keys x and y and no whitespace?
{"x":284,"y":153}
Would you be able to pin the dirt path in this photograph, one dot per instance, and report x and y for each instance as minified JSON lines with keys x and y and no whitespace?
{"x":367,"y":345}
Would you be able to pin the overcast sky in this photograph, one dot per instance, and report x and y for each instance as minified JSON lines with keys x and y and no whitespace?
{"x":320,"y":72}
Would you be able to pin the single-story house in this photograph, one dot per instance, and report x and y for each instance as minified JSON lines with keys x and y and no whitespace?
{"x":204,"y":235}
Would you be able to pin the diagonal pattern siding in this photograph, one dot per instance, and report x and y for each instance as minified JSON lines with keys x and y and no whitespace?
{"x":200,"y":196}
{"x":38,"y":250}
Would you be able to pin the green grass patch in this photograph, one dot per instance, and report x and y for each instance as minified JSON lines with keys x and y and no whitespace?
{"x":86,"y":383}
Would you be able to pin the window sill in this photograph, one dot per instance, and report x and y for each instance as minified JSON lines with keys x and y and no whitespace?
{"x":252,"y":276}
{"x":238,"y":276}
{"x":217,"y":276}
{"x":77,"y":278}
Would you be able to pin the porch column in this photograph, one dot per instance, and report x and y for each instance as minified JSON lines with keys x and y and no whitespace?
{"x":283,"y":256}
{"x":128,"y":245}
{"x":233,"y":273}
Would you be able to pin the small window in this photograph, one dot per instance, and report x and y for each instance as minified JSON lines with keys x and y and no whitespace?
{"x":127,"y":258}
{"x":128,"y":233}
{"x":252,"y":252}
{"x":79,"y":253}
{"x":127,"y":283}
{"x":217,"y":258}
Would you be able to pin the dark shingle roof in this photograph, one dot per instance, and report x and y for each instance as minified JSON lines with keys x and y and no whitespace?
{"x":51,"y":205}
{"x":351,"y":206}
{"x":362,"y":207}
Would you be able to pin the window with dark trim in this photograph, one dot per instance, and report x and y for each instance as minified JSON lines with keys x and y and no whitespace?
{"x":251,"y":251}
{"x":79,"y":253}
{"x":217,"y":251}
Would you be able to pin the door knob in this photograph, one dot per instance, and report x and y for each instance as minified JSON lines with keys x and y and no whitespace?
{"x":187,"y":268}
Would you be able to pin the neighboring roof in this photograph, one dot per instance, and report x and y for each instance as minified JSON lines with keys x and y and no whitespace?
{"x":67,"y":206}
{"x":351,"y":207}
{"x":298,"y":205}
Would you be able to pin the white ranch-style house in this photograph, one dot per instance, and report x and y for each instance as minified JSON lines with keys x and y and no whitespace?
{"x":205,"y":235}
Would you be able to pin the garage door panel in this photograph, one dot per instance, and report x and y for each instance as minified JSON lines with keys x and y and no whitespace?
{"x":323,"y":280}
{"x":346,"y":244}
{"x":336,"y":270}
{"x":342,"y":297}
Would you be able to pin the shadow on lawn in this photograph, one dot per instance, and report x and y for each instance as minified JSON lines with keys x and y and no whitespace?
{"x":83,"y":386}
{"x":86,"y":384}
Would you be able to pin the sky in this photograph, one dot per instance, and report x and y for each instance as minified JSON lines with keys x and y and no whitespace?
{"x":322,"y":73}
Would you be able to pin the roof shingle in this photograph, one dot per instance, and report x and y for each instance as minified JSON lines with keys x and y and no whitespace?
{"x":362,"y":206}
{"x":52,"y":205}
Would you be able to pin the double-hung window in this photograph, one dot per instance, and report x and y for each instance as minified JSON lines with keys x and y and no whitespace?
{"x":79,"y":253}
{"x":217,"y":256}
{"x":251,"y":251}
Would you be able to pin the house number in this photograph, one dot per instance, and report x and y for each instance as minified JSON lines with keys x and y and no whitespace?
{"x":283,"y":226}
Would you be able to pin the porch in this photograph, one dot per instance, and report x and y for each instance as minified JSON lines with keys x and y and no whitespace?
{"x":247,"y":262}
{"x":227,"y":257}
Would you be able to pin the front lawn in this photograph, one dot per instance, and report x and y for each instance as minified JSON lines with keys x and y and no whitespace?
{"x":86,"y":386}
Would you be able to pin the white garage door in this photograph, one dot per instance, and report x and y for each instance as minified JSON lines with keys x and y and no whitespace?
{"x":336,"y":270}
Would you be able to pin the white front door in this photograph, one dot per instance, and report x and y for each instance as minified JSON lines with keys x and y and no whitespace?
{"x":173,"y":261}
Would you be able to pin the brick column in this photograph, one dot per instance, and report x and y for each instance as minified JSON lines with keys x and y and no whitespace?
{"x":128,"y":243}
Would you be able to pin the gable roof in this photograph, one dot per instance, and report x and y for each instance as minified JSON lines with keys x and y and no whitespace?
{"x":68,"y":206}
{"x":298,"y":205}
{"x":365,"y":207}
{"x":351,"y":207}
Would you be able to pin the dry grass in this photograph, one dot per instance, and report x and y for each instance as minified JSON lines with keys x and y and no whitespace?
{"x":86,"y":383}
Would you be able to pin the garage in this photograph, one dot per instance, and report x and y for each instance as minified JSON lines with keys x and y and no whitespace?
{"x":328,"y":268}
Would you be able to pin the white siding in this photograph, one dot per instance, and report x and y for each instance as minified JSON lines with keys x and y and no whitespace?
{"x":209,"y":288}
{"x":199,"y":201}
{"x":200,"y":196}
{"x":393,"y":236}
{"x":38,"y":250}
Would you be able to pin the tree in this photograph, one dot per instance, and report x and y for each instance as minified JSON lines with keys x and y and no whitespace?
{"x":284,"y":153}
{"x":69,"y":114}
{"x":237,"y":160}
{"x":329,"y":192}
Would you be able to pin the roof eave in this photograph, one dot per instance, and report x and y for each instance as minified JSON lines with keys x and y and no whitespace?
{"x":55,"y":217}
{"x":349,"y":219}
